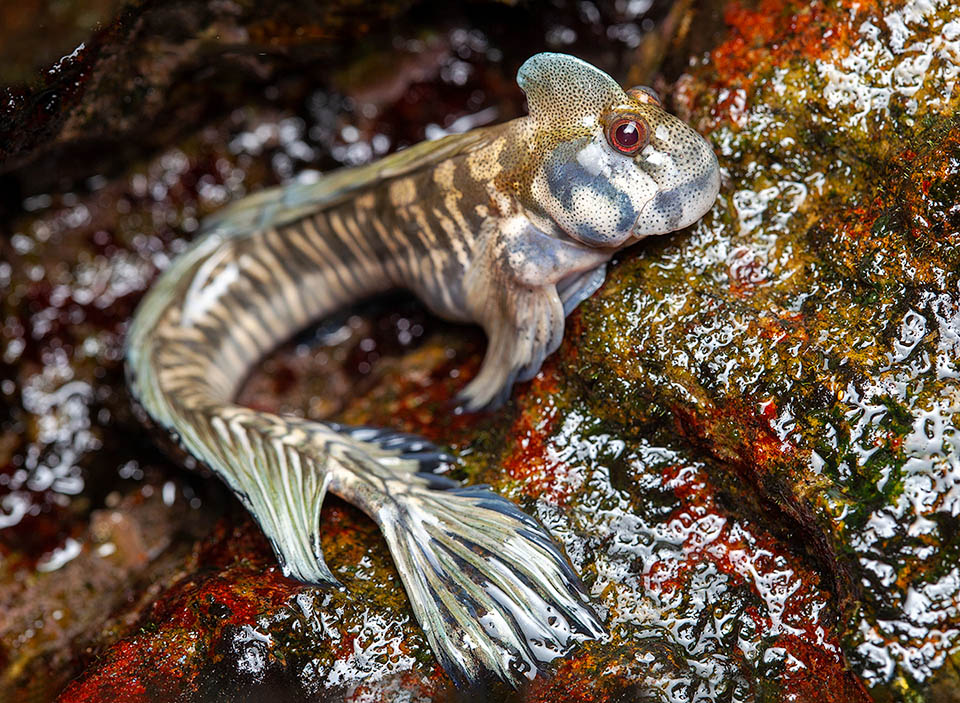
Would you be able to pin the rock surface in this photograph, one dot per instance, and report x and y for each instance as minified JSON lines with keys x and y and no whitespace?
{"x":747,"y":443}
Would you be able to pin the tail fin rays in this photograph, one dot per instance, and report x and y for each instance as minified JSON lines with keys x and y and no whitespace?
{"x":489,"y":587}
{"x":280,"y":476}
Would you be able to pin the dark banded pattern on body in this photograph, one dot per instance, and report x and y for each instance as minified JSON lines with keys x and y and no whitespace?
{"x":256,"y":290}
{"x":508,"y":226}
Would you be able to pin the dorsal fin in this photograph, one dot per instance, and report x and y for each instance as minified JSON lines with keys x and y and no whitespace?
{"x":283,"y":204}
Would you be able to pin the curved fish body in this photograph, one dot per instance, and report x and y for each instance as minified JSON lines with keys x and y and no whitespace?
{"x":509,"y":226}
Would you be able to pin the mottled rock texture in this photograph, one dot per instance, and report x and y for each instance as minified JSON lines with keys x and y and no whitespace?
{"x":747,"y":443}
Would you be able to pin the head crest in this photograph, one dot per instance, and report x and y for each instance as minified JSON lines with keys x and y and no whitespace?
{"x":563,"y":89}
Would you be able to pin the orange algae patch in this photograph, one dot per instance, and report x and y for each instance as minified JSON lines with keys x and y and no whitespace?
{"x":772,"y":33}
{"x":740,"y":434}
{"x":737,"y":431}
{"x":530,"y":460}
{"x":119,"y":679}
{"x":776,"y":30}
{"x":817,"y":676}
{"x":159,"y":661}
{"x":418,"y":395}
{"x":913,"y":217}
{"x":576,"y":680}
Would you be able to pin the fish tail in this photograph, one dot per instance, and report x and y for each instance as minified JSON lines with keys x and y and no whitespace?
{"x":490,"y":589}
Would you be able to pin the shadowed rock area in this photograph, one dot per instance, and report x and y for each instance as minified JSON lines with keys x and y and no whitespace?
{"x":747,"y":444}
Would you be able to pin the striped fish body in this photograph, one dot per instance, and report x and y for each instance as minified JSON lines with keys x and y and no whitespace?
{"x":248,"y":283}
{"x":251,"y":280}
{"x":510,"y":227}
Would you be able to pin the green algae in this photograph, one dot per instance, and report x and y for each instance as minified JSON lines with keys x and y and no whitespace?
{"x":805,"y":332}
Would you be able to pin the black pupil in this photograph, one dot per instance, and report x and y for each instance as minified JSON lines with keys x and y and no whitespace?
{"x":627,"y":135}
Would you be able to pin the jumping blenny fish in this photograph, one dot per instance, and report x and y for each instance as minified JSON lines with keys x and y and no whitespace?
{"x":509,"y":226}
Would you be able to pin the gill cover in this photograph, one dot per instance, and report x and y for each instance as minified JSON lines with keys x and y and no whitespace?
{"x":599,"y":193}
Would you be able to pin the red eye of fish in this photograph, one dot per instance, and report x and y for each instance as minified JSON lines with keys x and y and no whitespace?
{"x":628,"y":135}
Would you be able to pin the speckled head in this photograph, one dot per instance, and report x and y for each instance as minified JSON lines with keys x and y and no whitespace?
{"x":615,"y":166}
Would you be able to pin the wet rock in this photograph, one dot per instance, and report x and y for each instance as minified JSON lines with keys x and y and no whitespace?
{"x":83,"y":591}
{"x":34,"y":35}
{"x":158,"y":68}
{"x":746,"y":444}
{"x":804,"y":336}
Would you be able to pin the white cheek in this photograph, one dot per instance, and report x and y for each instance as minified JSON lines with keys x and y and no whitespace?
{"x":594,"y":209}
{"x":595,"y":159}
{"x":599,"y":160}
{"x":657,"y":159}
{"x":589,"y":208}
{"x":629,"y":179}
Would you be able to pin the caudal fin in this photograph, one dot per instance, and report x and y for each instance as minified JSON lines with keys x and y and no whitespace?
{"x":490,"y":589}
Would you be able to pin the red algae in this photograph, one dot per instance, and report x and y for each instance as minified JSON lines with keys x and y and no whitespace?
{"x":537,"y":472}
{"x":774,"y":31}
{"x":187,"y":620}
{"x":792,"y":595}
{"x":770,"y":34}
{"x":119,"y":679}
{"x":816,"y":675}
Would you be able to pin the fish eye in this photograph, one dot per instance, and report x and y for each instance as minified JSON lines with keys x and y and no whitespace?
{"x":645,"y":95}
{"x":628,"y":134}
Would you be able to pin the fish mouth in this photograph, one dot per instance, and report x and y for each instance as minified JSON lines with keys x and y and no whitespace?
{"x":679,"y":207}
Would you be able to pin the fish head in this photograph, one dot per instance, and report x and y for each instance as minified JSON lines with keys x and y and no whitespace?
{"x":611,"y":166}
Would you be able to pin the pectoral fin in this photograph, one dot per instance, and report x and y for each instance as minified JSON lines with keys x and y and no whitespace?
{"x":523,"y":327}
{"x":577,"y":288}
{"x":512,"y":290}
